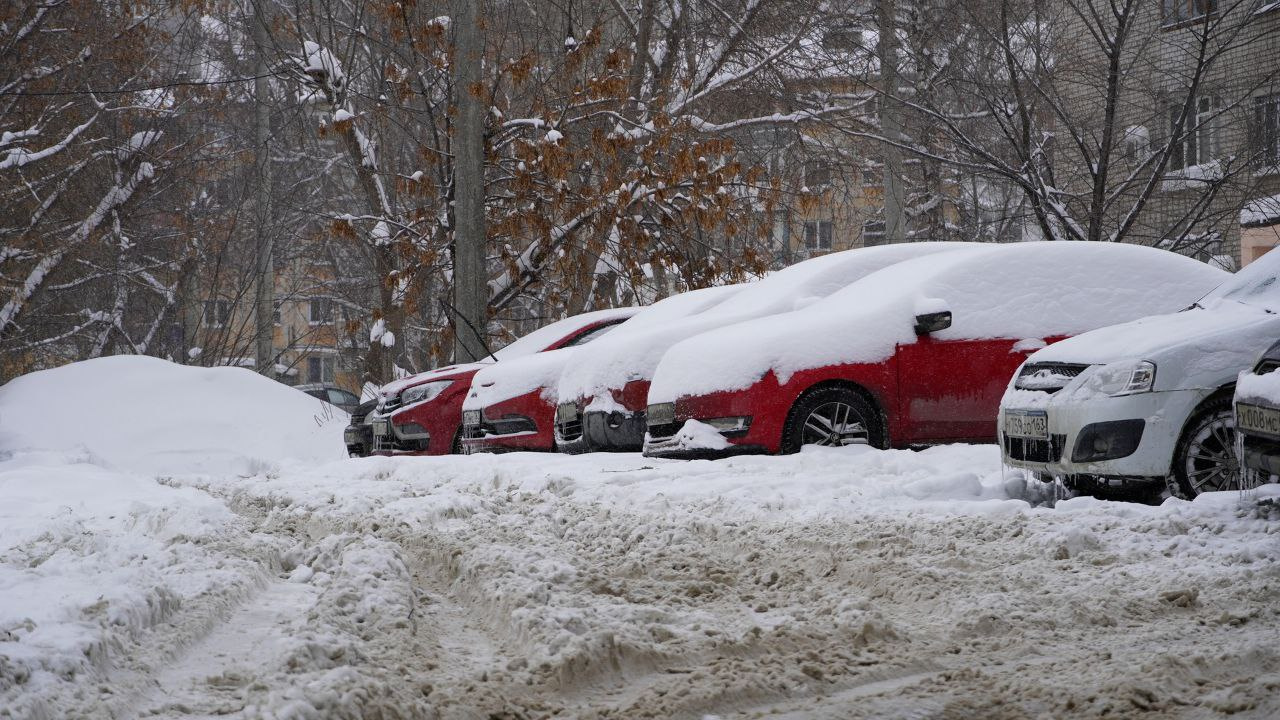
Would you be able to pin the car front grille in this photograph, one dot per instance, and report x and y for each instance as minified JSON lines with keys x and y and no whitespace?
{"x":1047,"y":377}
{"x":1034,"y":450}
{"x":569,"y":430}
{"x":664,"y":430}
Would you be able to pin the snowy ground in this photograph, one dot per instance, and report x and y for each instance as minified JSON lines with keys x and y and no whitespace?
{"x":836,"y":583}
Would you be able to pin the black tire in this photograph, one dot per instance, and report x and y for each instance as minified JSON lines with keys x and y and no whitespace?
{"x":833,"y":416}
{"x":1205,"y":457}
{"x":456,"y":447}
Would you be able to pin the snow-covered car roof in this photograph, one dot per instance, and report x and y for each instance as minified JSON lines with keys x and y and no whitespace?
{"x":535,"y":342}
{"x":1028,"y":291}
{"x":634,"y":355}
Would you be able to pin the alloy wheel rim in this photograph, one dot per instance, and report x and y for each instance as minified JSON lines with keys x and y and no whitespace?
{"x":835,"y":424}
{"x":1211,"y":462}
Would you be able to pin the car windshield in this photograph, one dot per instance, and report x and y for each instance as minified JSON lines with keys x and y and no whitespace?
{"x":1257,"y":284}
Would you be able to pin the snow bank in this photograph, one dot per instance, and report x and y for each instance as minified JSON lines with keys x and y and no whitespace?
{"x":1024,"y":291}
{"x":148,"y":415}
{"x":635,"y":353}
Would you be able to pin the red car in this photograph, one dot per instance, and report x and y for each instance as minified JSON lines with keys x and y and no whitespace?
{"x":512,"y":405}
{"x":917,"y":353}
{"x":603,"y":393}
{"x":422,"y":414}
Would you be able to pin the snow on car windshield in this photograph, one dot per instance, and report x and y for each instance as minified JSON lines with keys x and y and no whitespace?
{"x":1257,"y":284}
{"x":1022,"y":291}
{"x":540,"y":339}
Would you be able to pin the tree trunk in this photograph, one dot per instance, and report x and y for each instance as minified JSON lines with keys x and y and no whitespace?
{"x":470,"y":286}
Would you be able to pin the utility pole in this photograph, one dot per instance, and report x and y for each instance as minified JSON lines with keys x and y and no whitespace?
{"x":264,"y":298}
{"x":895,"y":230}
{"x":470,"y":286}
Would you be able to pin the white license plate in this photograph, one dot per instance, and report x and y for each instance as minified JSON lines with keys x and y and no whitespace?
{"x":1258,"y":419}
{"x":470,"y":417}
{"x":381,"y":427}
{"x":1026,"y":424}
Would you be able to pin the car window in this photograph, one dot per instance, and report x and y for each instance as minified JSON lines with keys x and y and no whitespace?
{"x":590,"y":335}
{"x":320,"y":394}
{"x":339,"y":397}
{"x":1257,"y":284}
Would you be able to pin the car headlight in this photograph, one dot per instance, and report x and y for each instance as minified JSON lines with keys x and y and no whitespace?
{"x":424,"y":392}
{"x":1125,"y":378}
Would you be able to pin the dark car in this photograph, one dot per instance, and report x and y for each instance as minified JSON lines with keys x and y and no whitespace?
{"x":1257,"y":415}
{"x":359,"y":433}
{"x":332,"y":394}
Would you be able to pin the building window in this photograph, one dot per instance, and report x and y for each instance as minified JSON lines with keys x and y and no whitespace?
{"x":275,"y":315}
{"x":320,"y":311}
{"x":817,"y":234}
{"x":817,"y":174}
{"x":1199,"y":142}
{"x":873,"y":176}
{"x":216,"y":313}
{"x":872,"y":232}
{"x":1266,"y":121}
{"x":1177,"y":12}
{"x":319,"y":369}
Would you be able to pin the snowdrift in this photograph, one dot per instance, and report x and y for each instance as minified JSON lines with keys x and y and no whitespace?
{"x":147,"y":415}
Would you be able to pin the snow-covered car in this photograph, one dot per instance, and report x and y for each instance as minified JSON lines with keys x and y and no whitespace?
{"x":603,"y":393}
{"x":1145,"y":405}
{"x":1257,"y":404}
{"x":422,"y":414}
{"x":512,"y":404}
{"x":568,"y":433}
{"x":917,"y":353}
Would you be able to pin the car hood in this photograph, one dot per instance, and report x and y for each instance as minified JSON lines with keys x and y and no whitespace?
{"x":395,"y":387}
{"x":512,"y":378}
{"x":1199,"y":347}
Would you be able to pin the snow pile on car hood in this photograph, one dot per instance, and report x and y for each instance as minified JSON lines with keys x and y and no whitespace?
{"x":512,"y":378}
{"x":997,"y":291}
{"x":148,"y":415}
{"x":635,"y":355}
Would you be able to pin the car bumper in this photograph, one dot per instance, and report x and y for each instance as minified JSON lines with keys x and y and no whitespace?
{"x":676,"y":449}
{"x":617,"y":431}
{"x":389,"y":439}
{"x":358,"y":440}
{"x":1160,"y":416}
{"x":476,"y":440}
{"x":1261,"y":454}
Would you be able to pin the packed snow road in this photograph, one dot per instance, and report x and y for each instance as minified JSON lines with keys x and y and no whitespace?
{"x":841,"y":583}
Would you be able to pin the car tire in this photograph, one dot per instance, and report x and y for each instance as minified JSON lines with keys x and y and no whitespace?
{"x":833,"y":416}
{"x":1205,"y":457}
{"x":456,"y":447}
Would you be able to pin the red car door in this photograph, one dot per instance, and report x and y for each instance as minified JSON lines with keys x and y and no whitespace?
{"x":949,"y":390}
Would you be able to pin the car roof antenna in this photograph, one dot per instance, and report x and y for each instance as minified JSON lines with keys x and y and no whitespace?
{"x":450,"y":313}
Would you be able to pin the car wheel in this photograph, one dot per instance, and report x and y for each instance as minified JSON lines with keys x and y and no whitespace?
{"x":832,"y":416}
{"x":1205,"y":459}
{"x":456,"y":447}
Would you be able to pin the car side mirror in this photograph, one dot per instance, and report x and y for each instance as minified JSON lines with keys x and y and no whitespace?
{"x":933,"y":322}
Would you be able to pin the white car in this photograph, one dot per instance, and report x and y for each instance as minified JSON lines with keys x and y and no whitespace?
{"x":1145,"y":404}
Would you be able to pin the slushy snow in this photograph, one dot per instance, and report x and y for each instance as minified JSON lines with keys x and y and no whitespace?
{"x":275,"y":579}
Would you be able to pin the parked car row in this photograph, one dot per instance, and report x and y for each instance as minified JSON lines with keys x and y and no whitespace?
{"x":1106,"y":365}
